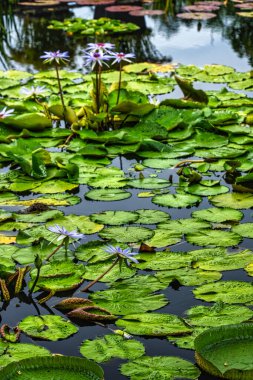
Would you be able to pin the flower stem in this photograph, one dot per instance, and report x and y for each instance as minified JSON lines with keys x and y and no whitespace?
{"x":120,"y":71}
{"x":101,"y":276}
{"x":56,"y":250}
{"x":60,"y":87}
{"x":35,"y":281}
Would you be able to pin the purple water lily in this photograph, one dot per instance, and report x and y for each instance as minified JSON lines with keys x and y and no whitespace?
{"x":96,"y":57}
{"x":63,"y":233}
{"x":119,"y":57}
{"x":6,"y":113}
{"x":100,"y":46}
{"x":126,"y":253}
{"x":55,"y":56}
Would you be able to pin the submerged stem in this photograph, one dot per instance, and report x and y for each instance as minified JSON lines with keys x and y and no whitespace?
{"x":55,"y":250}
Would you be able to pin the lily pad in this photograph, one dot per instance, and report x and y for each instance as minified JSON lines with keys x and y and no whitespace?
{"x":114,"y":218}
{"x":196,"y":15}
{"x":160,"y":367}
{"x":153,"y":324}
{"x":244,"y":229}
{"x":149,"y":183}
{"x":188,"y":276}
{"x":12,"y":352}
{"x":214,"y":237}
{"x":218,"y":215}
{"x":176,"y":200}
{"x":226,"y":291}
{"x":107,"y":195}
{"x":232,"y":345}
{"x":122,"y":302}
{"x":72,"y":222}
{"x":111,"y":346}
{"x":217,"y":315}
{"x":47,"y":327}
{"x":57,"y":367}
{"x":126,"y":234}
{"x":233,"y":200}
{"x":151,"y":216}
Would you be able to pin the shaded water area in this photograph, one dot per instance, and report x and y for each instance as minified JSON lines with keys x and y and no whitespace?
{"x":226,"y":40}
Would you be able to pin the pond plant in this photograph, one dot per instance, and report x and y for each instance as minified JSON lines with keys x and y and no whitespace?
{"x":202,"y":145}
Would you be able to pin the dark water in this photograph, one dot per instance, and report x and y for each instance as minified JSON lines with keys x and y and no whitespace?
{"x":224,"y":40}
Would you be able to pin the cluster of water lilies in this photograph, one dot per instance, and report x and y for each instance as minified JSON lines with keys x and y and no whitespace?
{"x":96,"y":55}
{"x":64,"y":236}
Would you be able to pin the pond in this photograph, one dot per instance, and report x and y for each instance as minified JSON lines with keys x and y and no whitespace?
{"x":169,"y":182}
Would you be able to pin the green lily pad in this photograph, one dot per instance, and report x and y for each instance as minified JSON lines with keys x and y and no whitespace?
{"x":149,"y":183}
{"x":215,"y":238}
{"x":95,"y":270}
{"x":52,"y":187}
{"x":114,"y":218}
{"x":93,"y":251}
{"x":188,"y":276}
{"x":218,"y":215}
{"x":244,"y":229}
{"x":107,"y":195}
{"x":228,"y":261}
{"x":149,"y":283}
{"x":12,"y":352}
{"x":176,"y":200}
{"x":186,"y":341}
{"x":164,"y":260}
{"x":122,"y":302}
{"x":73,"y":222}
{"x":47,"y":327}
{"x":217,"y":315}
{"x":232,"y":345}
{"x":205,"y":191}
{"x":111,"y":346}
{"x":153,"y":324}
{"x":184,"y":226}
{"x":226,"y":291}
{"x":126,"y":234}
{"x":37,"y":217}
{"x":160,"y":367}
{"x":151,"y":216}
{"x":233,"y":200}
{"x":163,"y":238}
{"x":57,"y":367}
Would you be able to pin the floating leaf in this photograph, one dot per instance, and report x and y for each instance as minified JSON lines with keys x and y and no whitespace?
{"x":11,"y":352}
{"x":151,"y":216}
{"x":73,"y":222}
{"x":233,"y":200}
{"x":226,"y":291}
{"x":218,"y":215}
{"x":149,"y":183}
{"x":111,"y":346}
{"x":244,"y":229}
{"x":126,"y":234}
{"x":188,"y":276}
{"x":217,"y":315}
{"x":153,"y":324}
{"x":160,"y":367}
{"x":114,"y":218}
{"x":107,"y":195}
{"x":122,"y":302}
{"x":57,"y":367}
{"x":214,"y":237}
{"x":47,"y":327}
{"x":163,"y":238}
{"x":231,"y":345}
{"x":176,"y":200}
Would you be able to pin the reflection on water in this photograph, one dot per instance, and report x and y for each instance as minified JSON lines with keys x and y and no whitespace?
{"x":226,"y":39}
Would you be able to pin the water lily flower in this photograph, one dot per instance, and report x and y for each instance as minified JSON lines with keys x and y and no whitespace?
{"x":126,"y":253}
{"x":55,"y":56}
{"x":94,"y":57}
{"x":63,"y":233}
{"x":100,"y":46}
{"x":119,"y":57}
{"x":33,"y":91}
{"x":6,"y":113}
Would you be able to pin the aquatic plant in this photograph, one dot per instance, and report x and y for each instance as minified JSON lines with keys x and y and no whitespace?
{"x":56,"y":58}
{"x":120,"y":255}
{"x":65,"y":236}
